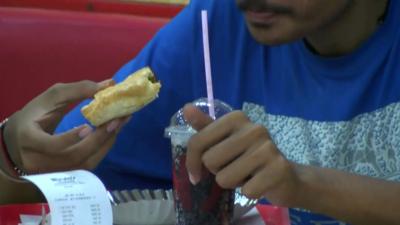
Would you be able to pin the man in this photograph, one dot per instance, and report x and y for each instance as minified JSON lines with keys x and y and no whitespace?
{"x":321,"y":79}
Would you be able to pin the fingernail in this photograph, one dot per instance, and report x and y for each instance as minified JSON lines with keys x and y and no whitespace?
{"x":192,"y":179}
{"x":85,"y":131}
{"x":113,"y":126}
{"x":188,"y":120}
{"x":106,"y":83}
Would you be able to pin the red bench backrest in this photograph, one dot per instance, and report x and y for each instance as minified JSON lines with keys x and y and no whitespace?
{"x":41,"y":47}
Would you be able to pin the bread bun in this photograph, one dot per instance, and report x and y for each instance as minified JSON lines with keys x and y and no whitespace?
{"x":132,"y":94}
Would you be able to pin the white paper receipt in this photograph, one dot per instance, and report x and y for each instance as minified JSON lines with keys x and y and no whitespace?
{"x":75,"y":198}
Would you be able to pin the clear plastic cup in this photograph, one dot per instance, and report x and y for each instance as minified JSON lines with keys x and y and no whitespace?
{"x":205,"y":202}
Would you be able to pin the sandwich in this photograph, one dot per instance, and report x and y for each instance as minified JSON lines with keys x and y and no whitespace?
{"x":123,"y":99}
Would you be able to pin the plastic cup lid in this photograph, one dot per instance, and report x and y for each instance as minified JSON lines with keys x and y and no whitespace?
{"x":178,"y":124}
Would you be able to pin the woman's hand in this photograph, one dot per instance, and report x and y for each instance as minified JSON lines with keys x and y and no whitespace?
{"x":33,"y":146}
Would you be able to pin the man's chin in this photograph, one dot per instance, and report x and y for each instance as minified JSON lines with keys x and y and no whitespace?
{"x":267,"y":35}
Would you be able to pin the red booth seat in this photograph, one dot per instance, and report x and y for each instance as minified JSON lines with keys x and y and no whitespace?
{"x":41,"y":47}
{"x":109,"y":6}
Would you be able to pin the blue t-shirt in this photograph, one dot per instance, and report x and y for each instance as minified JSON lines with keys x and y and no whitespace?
{"x":334,"y":112}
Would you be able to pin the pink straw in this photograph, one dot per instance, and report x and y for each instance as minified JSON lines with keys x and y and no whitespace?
{"x":207,"y":64}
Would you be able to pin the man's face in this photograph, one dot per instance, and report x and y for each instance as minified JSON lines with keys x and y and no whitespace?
{"x":281,"y":21}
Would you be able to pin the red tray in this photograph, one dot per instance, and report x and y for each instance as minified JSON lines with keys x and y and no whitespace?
{"x":273,"y":215}
{"x":9,"y":214}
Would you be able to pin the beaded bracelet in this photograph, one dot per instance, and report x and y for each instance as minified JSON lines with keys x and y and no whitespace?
{"x":13,"y":168}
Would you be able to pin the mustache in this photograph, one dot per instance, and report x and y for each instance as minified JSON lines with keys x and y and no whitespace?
{"x":262,"y":6}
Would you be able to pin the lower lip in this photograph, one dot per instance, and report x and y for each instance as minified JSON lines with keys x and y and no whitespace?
{"x":260,"y":18}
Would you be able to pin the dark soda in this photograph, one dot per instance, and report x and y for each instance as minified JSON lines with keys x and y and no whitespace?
{"x":203,"y":204}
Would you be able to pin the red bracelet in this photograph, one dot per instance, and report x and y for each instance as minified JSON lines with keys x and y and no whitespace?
{"x":13,"y":168}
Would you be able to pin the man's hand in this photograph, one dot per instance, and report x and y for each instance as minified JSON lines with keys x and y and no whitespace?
{"x":33,"y":146}
{"x":239,"y":153}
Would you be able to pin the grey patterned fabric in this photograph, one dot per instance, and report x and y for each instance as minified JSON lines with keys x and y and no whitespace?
{"x":369,"y":144}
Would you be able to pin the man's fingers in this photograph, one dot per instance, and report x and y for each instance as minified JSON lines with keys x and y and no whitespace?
{"x":210,"y":134}
{"x":239,"y":170}
{"x":195,"y":117}
{"x":227,"y":150}
{"x":200,"y":142}
{"x":257,"y":185}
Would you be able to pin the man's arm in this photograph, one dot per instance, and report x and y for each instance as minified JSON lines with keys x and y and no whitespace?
{"x":242,"y":154}
{"x":352,"y":198}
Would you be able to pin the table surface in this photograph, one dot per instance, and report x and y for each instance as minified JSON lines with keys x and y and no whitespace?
{"x":250,"y":218}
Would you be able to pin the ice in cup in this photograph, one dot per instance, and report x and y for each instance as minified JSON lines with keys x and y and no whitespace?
{"x":205,"y":202}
